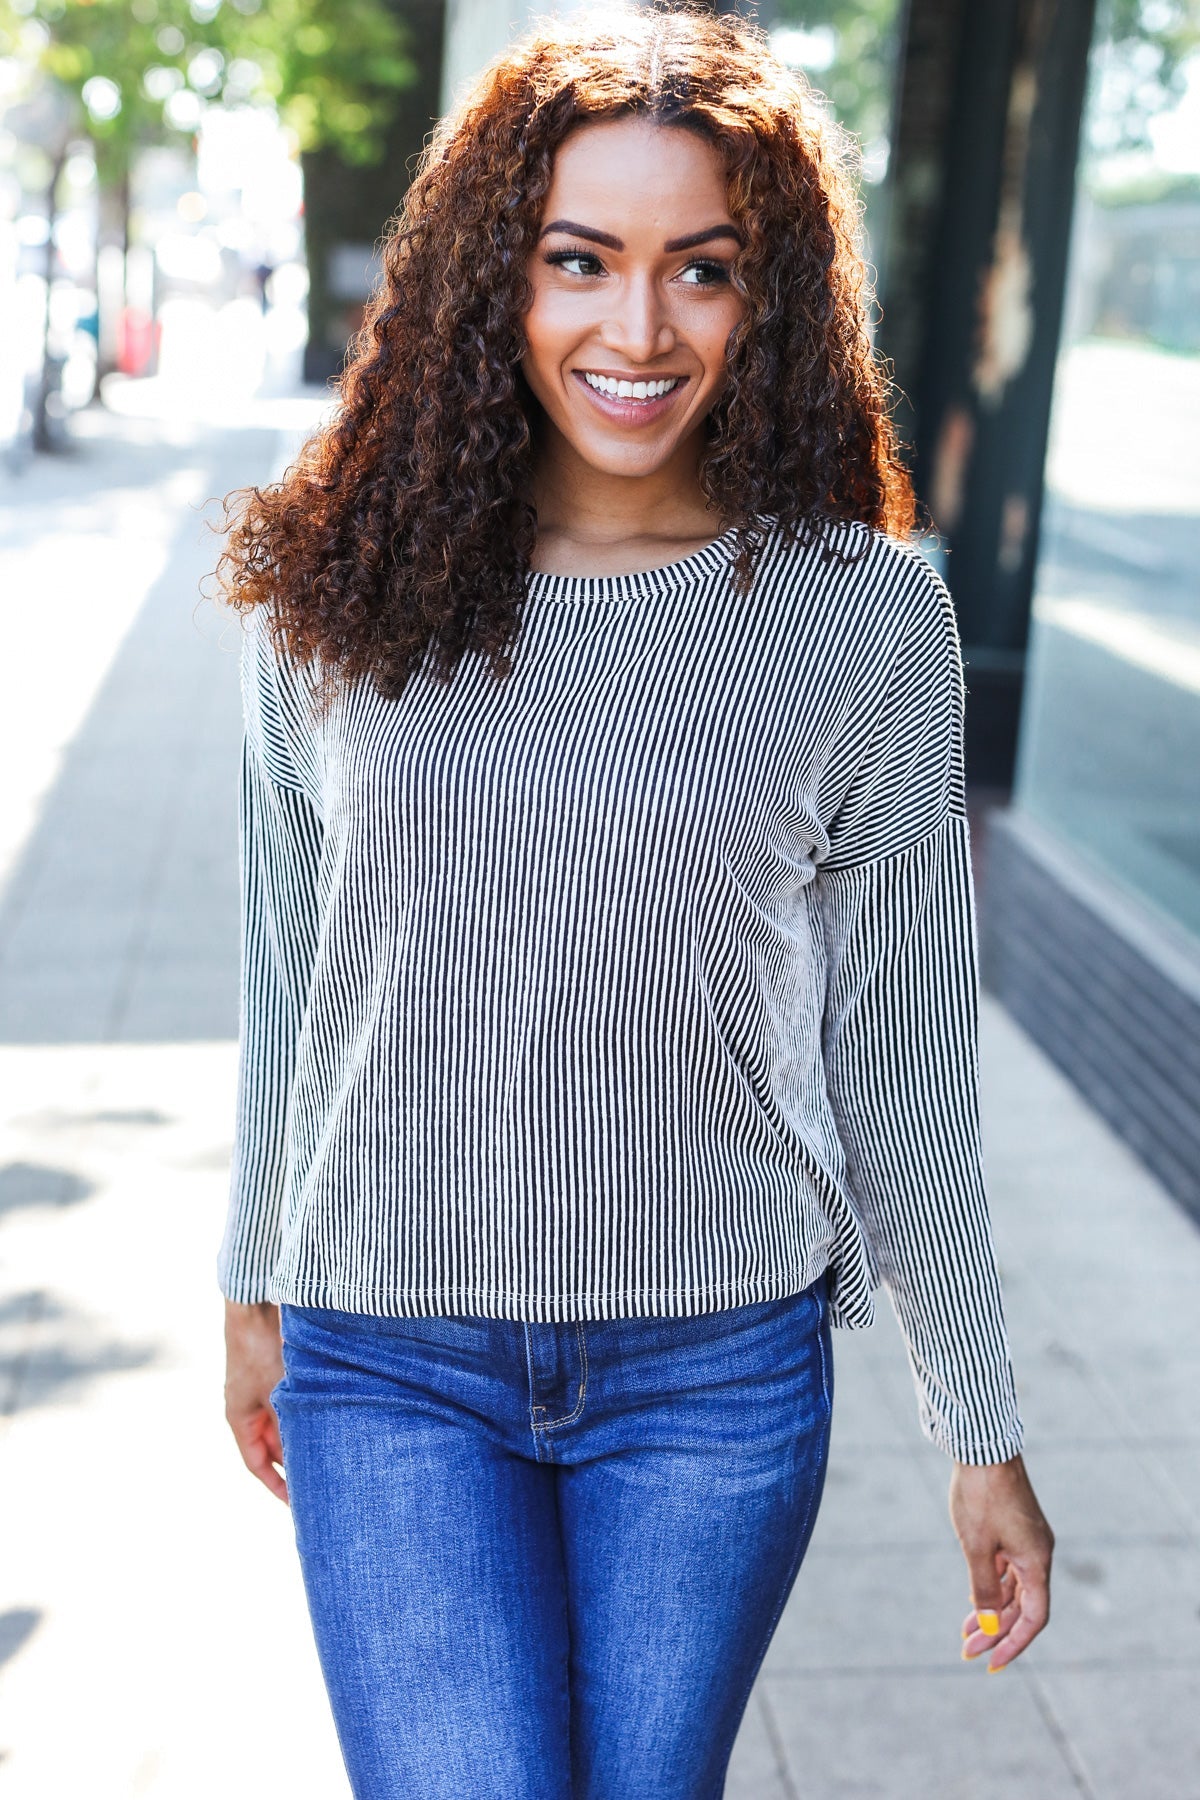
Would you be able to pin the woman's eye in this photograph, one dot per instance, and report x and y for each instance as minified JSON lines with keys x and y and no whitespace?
{"x":576,"y":262}
{"x":704,"y":274}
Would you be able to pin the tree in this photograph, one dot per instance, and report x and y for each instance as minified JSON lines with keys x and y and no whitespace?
{"x":143,"y":69}
{"x":141,"y":72}
{"x":1142,"y":47}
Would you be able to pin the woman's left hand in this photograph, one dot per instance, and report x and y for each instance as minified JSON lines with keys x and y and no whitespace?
{"x":1008,"y":1546}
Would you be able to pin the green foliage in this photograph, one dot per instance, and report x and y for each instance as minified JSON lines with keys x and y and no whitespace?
{"x":332,"y":69}
{"x":1170,"y":27}
{"x":1138,"y":72}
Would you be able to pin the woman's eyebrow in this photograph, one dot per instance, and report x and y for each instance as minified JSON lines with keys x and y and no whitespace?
{"x":691,"y":242}
{"x":704,"y":237}
{"x":569,"y":227}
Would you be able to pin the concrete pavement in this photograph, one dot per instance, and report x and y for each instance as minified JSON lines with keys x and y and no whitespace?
{"x":152,"y":1629}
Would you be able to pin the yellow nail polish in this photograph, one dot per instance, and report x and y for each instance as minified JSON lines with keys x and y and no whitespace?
{"x":998,"y":1670}
{"x":988,"y":1622}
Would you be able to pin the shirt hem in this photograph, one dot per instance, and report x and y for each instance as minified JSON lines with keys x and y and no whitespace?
{"x":563,"y":1308}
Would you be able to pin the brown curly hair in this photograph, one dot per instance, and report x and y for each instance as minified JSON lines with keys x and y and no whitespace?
{"x":406,"y":527}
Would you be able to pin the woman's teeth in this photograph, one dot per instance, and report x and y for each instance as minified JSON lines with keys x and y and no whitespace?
{"x":630,"y":390}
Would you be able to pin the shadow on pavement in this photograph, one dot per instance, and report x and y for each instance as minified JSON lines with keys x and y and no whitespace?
{"x":119,"y":922}
{"x":17,"y":1626}
{"x":37,"y":1185}
{"x":50,"y":1351}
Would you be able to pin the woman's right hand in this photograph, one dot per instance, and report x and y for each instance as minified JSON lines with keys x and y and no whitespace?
{"x":253,"y":1365}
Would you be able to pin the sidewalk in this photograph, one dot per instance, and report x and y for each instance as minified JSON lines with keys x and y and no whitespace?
{"x":152,"y":1629}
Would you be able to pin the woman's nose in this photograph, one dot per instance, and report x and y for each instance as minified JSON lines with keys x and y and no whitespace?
{"x":639,"y":325}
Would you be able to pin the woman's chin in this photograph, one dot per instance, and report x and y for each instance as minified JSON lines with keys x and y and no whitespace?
{"x":629,"y":457}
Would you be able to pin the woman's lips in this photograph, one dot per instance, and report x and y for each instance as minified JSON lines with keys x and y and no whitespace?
{"x":629,"y":411}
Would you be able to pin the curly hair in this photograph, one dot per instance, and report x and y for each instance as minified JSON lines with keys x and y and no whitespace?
{"x":406,"y":527}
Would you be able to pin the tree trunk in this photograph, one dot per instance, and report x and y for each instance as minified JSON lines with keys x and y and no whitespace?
{"x":43,"y":436}
{"x":112,"y":234}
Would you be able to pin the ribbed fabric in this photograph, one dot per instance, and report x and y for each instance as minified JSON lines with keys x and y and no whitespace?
{"x":641,"y":982}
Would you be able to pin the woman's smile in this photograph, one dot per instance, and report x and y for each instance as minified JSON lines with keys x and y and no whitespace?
{"x":628,"y":399}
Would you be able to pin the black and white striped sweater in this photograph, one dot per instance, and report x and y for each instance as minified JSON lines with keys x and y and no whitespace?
{"x":641,"y":982}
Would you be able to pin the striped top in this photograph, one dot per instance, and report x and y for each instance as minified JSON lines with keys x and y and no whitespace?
{"x":643,"y":981}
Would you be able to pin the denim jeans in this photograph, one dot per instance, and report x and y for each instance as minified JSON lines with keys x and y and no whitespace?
{"x":544,"y":1562}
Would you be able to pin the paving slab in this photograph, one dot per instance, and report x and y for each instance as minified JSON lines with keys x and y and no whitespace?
{"x":879,"y":1497}
{"x":898,"y":1736}
{"x":1136,"y":1732}
{"x":756,"y":1768}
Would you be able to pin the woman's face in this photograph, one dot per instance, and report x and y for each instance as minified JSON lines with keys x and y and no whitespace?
{"x":632,"y":302}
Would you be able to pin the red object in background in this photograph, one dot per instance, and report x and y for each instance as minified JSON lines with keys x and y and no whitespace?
{"x":138,"y":337}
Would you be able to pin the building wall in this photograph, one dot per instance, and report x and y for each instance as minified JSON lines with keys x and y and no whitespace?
{"x":1093,"y":925}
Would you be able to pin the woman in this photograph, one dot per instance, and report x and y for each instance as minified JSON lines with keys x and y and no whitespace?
{"x":609,"y":986}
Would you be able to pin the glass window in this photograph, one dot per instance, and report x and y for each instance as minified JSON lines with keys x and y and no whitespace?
{"x":1110,"y":733}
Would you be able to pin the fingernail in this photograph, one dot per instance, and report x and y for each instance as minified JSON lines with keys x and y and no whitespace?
{"x":989,"y":1622}
{"x":998,"y":1669}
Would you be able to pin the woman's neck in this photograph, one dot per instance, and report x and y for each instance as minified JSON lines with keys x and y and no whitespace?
{"x":593,"y":522}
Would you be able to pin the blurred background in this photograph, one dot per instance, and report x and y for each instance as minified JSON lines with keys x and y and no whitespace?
{"x":191,"y":198}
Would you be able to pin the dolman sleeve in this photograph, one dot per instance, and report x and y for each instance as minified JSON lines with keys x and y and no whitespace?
{"x":280,"y":838}
{"x":899,"y":1035}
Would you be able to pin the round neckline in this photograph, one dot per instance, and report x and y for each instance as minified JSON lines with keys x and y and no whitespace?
{"x":635,"y":583}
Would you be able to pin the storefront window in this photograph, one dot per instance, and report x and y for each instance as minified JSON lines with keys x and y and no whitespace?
{"x":1110,"y":735}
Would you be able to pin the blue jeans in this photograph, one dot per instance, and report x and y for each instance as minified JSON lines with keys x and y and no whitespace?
{"x":544,"y":1562}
